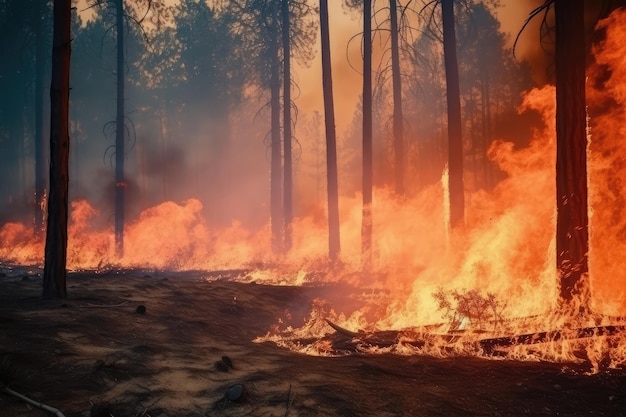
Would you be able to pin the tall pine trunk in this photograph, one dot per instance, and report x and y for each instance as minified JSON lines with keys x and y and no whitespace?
{"x":398,"y":128}
{"x":366,"y":220}
{"x":55,"y":273}
{"x":40,"y":177}
{"x":334,"y":245}
{"x":288,"y":180}
{"x":455,"y":140}
{"x":486,"y":167}
{"x":120,"y":180}
{"x":276,"y":211}
{"x":572,"y":235}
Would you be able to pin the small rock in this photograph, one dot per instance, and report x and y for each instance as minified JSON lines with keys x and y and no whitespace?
{"x":558,"y":387}
{"x":141,"y":309}
{"x":25,"y":278}
{"x":227,"y":361}
{"x":102,"y":410}
{"x":236,"y":392}
{"x":141,"y":349}
{"x":221,"y":366}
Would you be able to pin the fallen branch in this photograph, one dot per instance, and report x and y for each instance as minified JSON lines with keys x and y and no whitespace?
{"x":342,"y":330}
{"x":34,"y":403}
{"x":490,"y":344}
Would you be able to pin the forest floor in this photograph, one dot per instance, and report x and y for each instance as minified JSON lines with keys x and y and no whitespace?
{"x":94,"y":354}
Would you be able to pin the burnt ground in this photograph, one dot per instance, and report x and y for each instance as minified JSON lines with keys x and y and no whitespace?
{"x":95,"y":355}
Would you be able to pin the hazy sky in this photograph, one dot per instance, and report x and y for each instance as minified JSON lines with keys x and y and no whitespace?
{"x":347,"y":82}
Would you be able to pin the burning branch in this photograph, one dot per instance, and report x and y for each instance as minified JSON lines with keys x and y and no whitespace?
{"x":489,"y":345}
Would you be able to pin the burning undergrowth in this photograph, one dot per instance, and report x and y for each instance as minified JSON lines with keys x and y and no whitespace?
{"x":475,"y":324}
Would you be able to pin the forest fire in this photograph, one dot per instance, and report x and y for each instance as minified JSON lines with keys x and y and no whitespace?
{"x":489,"y":289}
{"x":251,"y":223}
{"x":468,"y":295}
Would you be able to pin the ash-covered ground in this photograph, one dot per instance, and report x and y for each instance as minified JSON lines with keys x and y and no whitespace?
{"x":191,"y":352}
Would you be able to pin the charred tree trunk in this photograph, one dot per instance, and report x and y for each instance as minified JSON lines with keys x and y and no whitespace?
{"x":120,"y":180}
{"x":455,"y":140}
{"x":334,"y":245}
{"x":488,"y":135}
{"x":572,"y":236}
{"x":276,"y":165}
{"x":55,"y":273}
{"x":486,"y":126}
{"x":366,"y":221}
{"x":288,"y":180}
{"x":40,"y":176}
{"x":398,"y":128}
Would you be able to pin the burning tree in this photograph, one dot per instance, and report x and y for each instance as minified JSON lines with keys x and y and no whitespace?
{"x":54,"y":276}
{"x":455,"y":140}
{"x":120,"y":180}
{"x":271,"y":31}
{"x":367,"y":137}
{"x":334,"y":243}
{"x":287,"y":135}
{"x":572,"y":224}
{"x":398,"y":126}
{"x":40,"y":26}
{"x":122,"y":129}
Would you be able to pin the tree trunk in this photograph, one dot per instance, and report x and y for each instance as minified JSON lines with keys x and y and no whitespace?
{"x":288,"y":180}
{"x":455,"y":140}
{"x":40,"y":176}
{"x":276,"y":213}
{"x":366,"y":221}
{"x":486,"y":126}
{"x":120,"y":180}
{"x":398,"y":128}
{"x":572,"y":236}
{"x":334,"y":245}
{"x":55,"y":274}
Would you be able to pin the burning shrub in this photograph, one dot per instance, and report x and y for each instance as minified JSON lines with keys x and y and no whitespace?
{"x":463,"y":307}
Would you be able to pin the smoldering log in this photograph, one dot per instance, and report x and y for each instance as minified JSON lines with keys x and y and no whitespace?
{"x":348,"y":340}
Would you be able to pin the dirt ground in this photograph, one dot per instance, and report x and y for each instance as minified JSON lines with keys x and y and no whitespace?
{"x":94,"y":354}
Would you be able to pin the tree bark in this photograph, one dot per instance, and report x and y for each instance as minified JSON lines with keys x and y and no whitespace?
{"x":572,"y":235}
{"x":334,"y":245}
{"x":55,"y":274}
{"x":455,"y":140}
{"x":120,"y":180}
{"x":366,"y":221}
{"x":486,"y":170}
{"x":398,"y":128}
{"x":288,"y":180}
